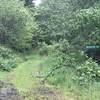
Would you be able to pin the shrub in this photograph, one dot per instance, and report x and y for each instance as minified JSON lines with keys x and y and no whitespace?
{"x":8,"y":59}
{"x":88,"y":72}
{"x":47,"y":49}
{"x":85,"y":70}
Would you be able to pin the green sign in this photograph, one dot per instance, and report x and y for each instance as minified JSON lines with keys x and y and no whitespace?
{"x":93,"y":47}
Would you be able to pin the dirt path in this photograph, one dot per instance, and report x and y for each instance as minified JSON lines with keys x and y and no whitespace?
{"x":45,"y":92}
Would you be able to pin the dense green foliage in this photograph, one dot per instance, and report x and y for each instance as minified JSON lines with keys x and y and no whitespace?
{"x":73,"y":24}
{"x":69,"y":20}
{"x":84,"y":27}
{"x":8,"y":59}
{"x":58,"y":30}
{"x":51,"y":19}
{"x":16,"y":24}
{"x":17,"y":27}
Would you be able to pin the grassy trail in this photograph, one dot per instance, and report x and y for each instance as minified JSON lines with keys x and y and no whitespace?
{"x":23,"y":78}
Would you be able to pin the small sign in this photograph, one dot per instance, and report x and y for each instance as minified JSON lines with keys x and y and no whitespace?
{"x":93,"y":47}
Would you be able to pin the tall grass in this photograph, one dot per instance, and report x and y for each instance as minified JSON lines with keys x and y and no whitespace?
{"x":64,"y":82}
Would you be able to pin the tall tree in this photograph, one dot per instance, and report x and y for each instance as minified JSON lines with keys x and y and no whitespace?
{"x":16,"y":24}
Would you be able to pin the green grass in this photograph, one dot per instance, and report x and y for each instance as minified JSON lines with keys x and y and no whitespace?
{"x":3,"y":75}
{"x":64,"y":83}
{"x":22,"y":78}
